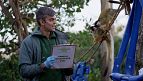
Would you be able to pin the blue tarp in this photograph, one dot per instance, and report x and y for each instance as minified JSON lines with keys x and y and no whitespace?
{"x":81,"y":71}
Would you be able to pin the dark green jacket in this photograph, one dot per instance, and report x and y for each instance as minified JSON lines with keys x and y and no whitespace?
{"x":30,"y":54}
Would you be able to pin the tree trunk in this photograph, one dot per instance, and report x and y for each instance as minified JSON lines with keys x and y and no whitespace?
{"x":107,"y":49}
{"x":107,"y":58}
{"x":105,"y":5}
{"x":139,"y":48}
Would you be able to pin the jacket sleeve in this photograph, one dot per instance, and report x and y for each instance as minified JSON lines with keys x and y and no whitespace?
{"x":26,"y":67}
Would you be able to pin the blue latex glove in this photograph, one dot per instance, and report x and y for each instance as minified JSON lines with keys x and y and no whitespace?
{"x":50,"y":61}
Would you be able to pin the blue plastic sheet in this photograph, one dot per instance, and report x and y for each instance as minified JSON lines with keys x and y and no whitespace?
{"x":81,"y":71}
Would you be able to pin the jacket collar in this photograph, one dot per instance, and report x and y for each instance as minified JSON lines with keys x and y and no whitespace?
{"x":38,"y":33}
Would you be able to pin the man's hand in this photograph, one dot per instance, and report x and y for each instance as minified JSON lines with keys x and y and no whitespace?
{"x":49,"y":61}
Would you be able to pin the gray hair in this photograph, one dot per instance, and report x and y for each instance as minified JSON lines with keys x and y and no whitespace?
{"x":43,"y":11}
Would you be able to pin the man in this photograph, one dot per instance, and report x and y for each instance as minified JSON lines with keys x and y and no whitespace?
{"x":35,"y":52}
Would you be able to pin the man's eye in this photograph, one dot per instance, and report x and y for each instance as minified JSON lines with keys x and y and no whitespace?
{"x":52,"y":19}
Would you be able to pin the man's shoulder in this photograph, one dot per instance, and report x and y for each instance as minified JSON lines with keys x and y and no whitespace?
{"x":61,"y":33}
{"x":29,"y":38}
{"x":62,"y":36}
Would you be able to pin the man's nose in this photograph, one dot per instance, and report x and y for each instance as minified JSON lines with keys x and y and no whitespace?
{"x":54,"y":22}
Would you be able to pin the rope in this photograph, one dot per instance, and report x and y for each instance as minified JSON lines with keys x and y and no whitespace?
{"x":115,"y":16}
{"x":88,"y":60}
{"x":83,"y":55}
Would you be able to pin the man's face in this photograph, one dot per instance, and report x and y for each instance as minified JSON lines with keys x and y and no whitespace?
{"x":49,"y":23}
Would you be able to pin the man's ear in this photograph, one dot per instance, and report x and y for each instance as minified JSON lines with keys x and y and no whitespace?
{"x":41,"y":22}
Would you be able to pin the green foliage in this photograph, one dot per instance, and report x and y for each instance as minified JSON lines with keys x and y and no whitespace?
{"x":117,"y":41}
{"x":82,"y":38}
{"x":95,"y":74}
{"x":9,"y":69}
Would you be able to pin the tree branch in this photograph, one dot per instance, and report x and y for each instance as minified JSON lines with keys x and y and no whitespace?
{"x":22,"y":29}
{"x":6,"y":12}
{"x":23,"y":2}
